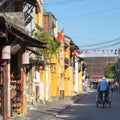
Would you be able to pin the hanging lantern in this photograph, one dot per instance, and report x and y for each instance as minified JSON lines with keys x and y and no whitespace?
{"x":85,"y":51}
{"x":111,"y":51}
{"x":72,"y":52}
{"x":103,"y":51}
{"x":95,"y":52}
{"x":115,"y":51}
{"x":25,"y":58}
{"x":6,"y":52}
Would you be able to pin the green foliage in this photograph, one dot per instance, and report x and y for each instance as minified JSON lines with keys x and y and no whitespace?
{"x":42,"y":36}
{"x":110,"y":70}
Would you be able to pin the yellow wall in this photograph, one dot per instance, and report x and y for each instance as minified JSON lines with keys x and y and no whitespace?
{"x":39,"y":14}
{"x":67,"y":82}
{"x":54,"y":77}
{"x":67,"y":78}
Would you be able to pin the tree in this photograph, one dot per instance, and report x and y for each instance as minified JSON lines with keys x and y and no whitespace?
{"x":110,"y":70}
{"x":53,"y":45}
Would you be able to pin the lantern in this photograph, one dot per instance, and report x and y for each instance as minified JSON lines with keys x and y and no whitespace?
{"x":25,"y":58}
{"x":6,"y":52}
{"x":72,"y":52}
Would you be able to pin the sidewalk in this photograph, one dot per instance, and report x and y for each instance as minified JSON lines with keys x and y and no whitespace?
{"x":51,"y":109}
{"x":55,"y":107}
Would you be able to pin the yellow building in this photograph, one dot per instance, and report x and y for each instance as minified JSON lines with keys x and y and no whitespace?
{"x":76,"y":64}
{"x":57,"y":77}
{"x":48,"y":23}
{"x":68,"y":73}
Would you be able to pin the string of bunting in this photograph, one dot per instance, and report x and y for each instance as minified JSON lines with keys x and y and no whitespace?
{"x":115,"y":51}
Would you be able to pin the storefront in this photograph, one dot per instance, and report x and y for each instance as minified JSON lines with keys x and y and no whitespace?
{"x":12,"y":69}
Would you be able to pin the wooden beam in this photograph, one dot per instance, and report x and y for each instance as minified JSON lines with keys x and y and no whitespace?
{"x":6,"y":90}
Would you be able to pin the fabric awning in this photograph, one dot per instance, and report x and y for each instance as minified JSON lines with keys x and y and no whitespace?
{"x":96,"y":76}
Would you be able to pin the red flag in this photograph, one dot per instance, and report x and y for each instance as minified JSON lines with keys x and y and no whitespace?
{"x":61,"y":35}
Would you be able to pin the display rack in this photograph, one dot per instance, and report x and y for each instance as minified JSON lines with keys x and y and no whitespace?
{"x":16,"y":86}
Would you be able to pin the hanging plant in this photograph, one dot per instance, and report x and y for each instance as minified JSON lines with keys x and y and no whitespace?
{"x":53,"y":45}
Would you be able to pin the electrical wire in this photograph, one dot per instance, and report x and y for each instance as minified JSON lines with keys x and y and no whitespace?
{"x":99,"y":44}
{"x":98,"y":12}
{"x":105,"y":46}
{"x":114,"y":44}
{"x":94,"y":13}
{"x":60,"y":3}
{"x":109,"y":41}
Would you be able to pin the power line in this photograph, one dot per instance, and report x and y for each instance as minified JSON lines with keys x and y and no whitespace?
{"x":114,"y":44}
{"x":98,"y":44}
{"x":105,"y":46}
{"x":98,"y":12}
{"x":60,"y":2}
{"x":94,"y":13}
{"x":109,"y":41}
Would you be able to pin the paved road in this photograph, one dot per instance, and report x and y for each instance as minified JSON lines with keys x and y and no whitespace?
{"x":85,"y":109}
{"x":49,"y":110}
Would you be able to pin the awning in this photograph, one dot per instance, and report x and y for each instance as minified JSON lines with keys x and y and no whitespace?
{"x":11,"y":31}
{"x":96,"y":76}
{"x":29,"y":41}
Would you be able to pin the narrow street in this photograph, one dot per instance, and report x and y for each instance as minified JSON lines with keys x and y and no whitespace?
{"x":85,"y":109}
{"x":49,"y":70}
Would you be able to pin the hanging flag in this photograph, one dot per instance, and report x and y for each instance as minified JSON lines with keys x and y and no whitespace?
{"x":118,"y":51}
{"x":103,"y":51}
{"x":111,"y":51}
{"x":61,"y":35}
{"x":115,"y":51}
{"x":95,"y":52}
{"x":107,"y":51}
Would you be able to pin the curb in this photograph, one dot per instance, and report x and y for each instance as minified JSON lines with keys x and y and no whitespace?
{"x":52,"y":115}
{"x":75,"y":101}
{"x":77,"y":98}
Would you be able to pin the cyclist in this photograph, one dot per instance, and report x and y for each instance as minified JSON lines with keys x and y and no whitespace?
{"x":103,"y":86}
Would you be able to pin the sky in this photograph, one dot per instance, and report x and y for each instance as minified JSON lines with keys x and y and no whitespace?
{"x":91,"y":24}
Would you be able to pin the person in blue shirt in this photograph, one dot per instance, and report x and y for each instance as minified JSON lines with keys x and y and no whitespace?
{"x":103,"y":86}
